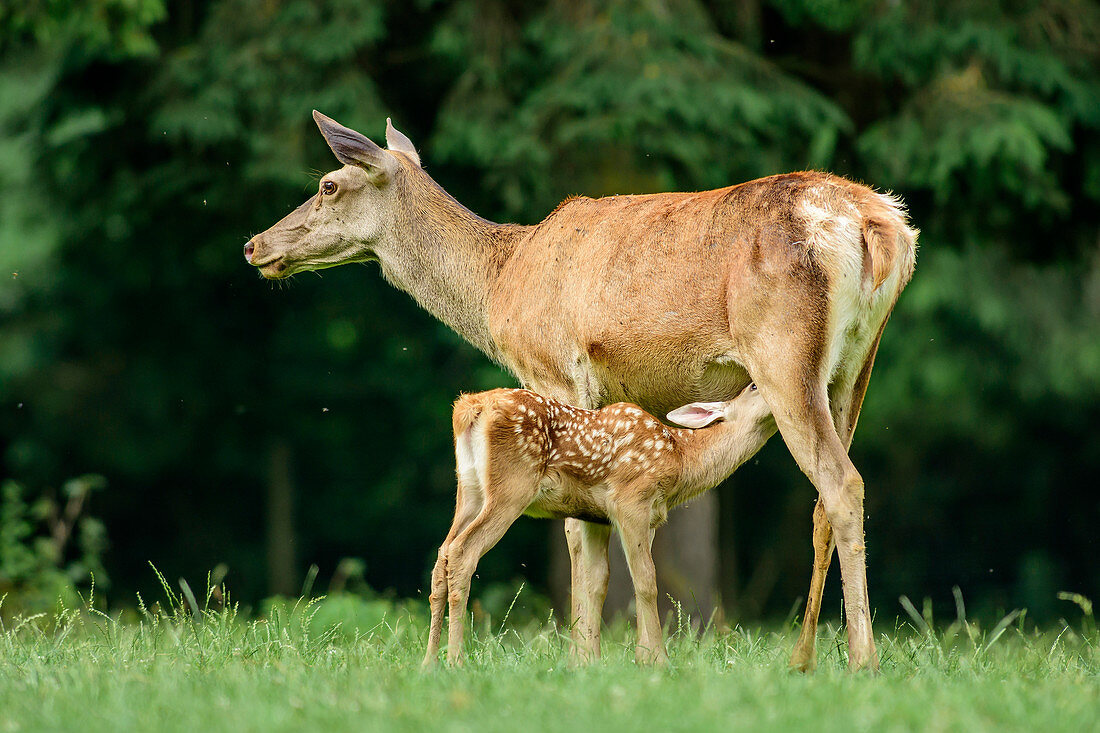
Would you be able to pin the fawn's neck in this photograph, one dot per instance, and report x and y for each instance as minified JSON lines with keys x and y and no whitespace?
{"x":710,"y":455}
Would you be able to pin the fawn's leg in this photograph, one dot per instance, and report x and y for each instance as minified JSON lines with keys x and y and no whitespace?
{"x":637,"y":539}
{"x":469,"y":502}
{"x":436,"y":601}
{"x":509,"y":491}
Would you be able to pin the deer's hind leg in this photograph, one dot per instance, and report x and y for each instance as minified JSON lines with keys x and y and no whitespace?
{"x":804,"y":655}
{"x":795,"y":388}
{"x":846,"y":402}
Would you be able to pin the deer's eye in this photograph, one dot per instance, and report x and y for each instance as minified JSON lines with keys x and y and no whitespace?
{"x":328,"y":188}
{"x":752,"y":387}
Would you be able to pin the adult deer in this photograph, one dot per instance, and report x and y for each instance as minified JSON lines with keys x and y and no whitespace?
{"x":660,"y":300}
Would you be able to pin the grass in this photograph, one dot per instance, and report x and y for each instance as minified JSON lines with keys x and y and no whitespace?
{"x":346,"y":663}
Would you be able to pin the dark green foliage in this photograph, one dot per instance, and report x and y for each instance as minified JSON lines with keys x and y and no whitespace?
{"x":630,"y":96}
{"x":141,"y":144}
{"x":49,"y":548}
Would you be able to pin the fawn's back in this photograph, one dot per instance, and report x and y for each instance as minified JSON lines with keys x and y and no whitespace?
{"x":578,"y":457}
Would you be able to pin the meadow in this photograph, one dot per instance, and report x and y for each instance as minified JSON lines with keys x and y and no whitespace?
{"x":351,"y":663}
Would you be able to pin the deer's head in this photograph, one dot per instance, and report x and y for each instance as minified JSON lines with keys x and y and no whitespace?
{"x":351,"y":214}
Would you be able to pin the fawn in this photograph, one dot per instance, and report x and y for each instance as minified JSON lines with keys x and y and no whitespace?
{"x":520,"y":453}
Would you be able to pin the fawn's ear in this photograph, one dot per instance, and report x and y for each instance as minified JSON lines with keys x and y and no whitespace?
{"x":697,"y":414}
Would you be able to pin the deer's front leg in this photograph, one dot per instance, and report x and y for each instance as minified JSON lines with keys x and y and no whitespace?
{"x":573,"y":531}
{"x":594,"y":539}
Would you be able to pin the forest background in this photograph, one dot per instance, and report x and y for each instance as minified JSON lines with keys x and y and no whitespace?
{"x":160,"y":403}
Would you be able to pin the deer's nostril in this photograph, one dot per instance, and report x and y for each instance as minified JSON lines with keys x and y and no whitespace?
{"x":248,"y":250}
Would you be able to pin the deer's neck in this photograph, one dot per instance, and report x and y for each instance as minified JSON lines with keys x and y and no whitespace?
{"x":710,"y":455}
{"x":446,"y":257}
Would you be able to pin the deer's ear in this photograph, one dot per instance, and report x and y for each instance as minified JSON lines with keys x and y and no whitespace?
{"x":353,"y":148}
{"x":697,"y":414}
{"x":397,"y":140}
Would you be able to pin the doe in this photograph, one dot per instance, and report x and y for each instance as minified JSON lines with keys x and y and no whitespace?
{"x":519,"y":453}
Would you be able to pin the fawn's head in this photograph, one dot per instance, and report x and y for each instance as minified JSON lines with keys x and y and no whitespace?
{"x":747,"y":408}
{"x":350,"y":215}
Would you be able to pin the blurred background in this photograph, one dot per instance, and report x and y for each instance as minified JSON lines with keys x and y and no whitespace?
{"x":160,"y":403}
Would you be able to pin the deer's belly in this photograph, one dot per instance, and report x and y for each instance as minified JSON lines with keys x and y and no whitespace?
{"x":657,"y":374}
{"x":639,"y":337}
{"x":661,"y":384}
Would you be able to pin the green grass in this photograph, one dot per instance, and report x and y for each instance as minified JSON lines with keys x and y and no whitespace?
{"x":351,"y":664}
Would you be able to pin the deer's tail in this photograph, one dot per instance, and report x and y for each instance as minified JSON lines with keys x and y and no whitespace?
{"x":890,"y":243}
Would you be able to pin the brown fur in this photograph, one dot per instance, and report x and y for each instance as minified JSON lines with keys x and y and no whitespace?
{"x":660,"y":299}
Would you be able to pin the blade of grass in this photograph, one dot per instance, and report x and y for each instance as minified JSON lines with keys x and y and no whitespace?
{"x":999,"y":629}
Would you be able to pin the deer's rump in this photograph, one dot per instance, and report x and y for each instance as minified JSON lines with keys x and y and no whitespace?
{"x":654,"y":298}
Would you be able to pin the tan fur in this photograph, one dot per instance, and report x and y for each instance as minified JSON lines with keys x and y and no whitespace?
{"x":661,"y":300}
{"x":466,"y":411}
{"x":616,"y":465}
